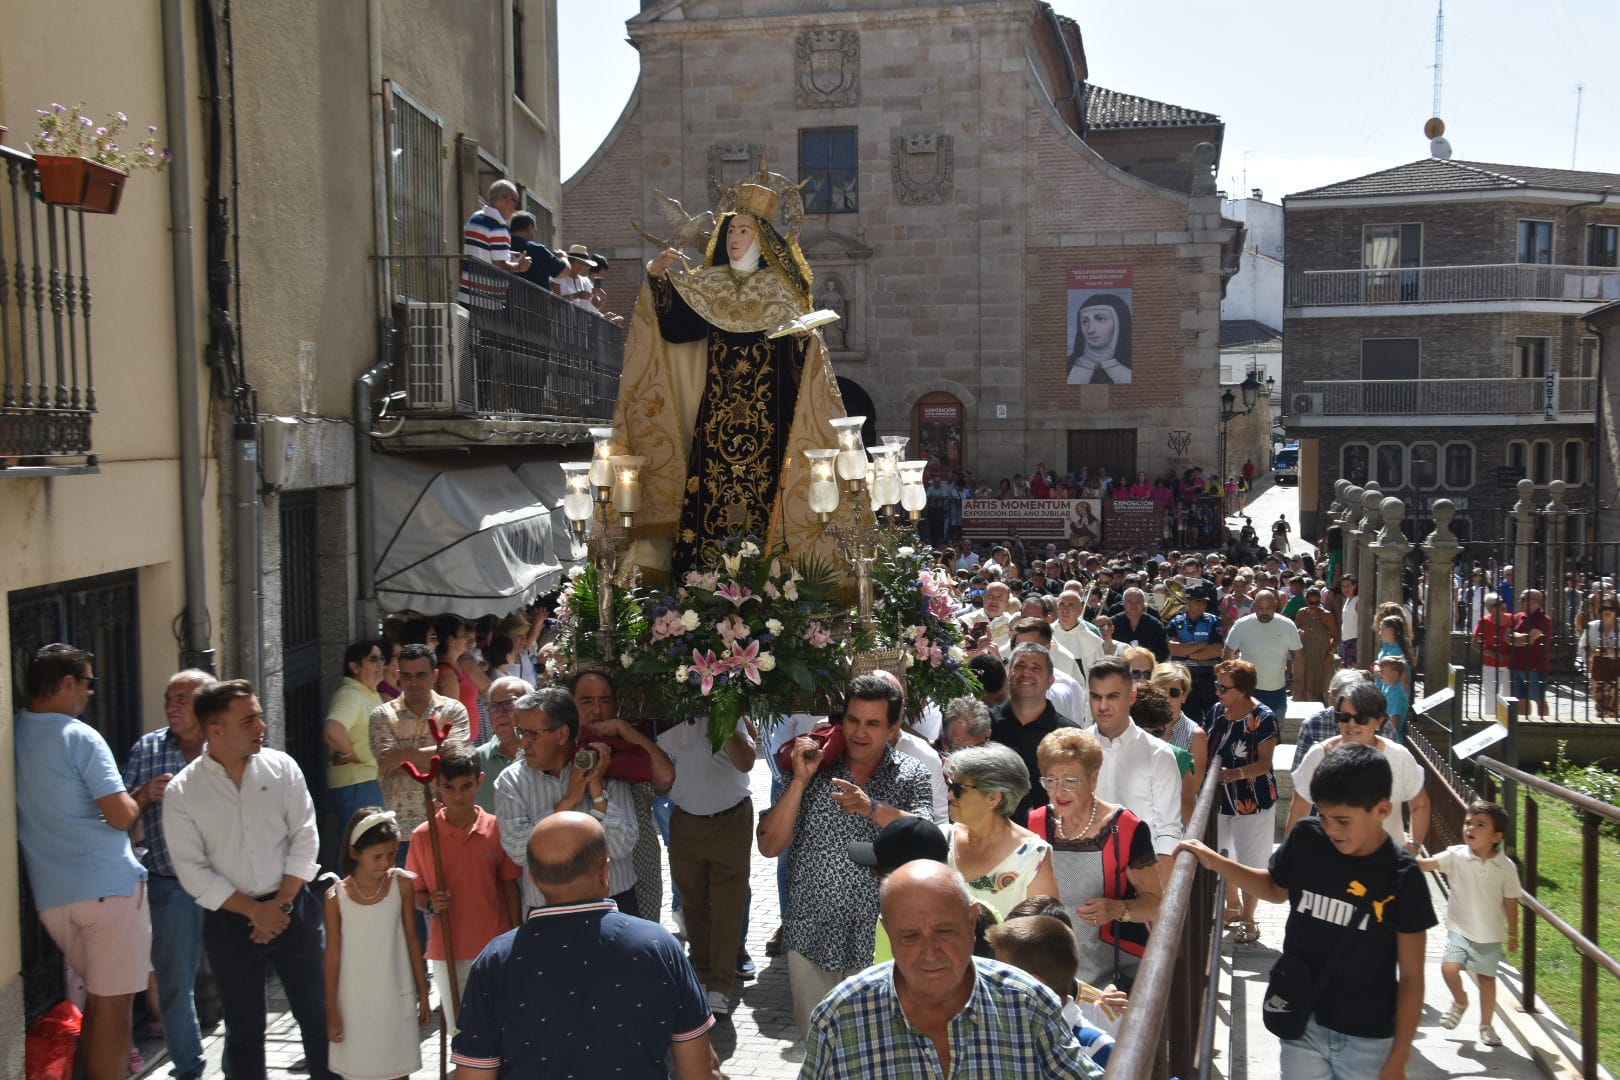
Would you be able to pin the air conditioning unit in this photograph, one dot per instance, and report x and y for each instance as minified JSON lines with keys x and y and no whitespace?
{"x":438,"y":350}
{"x":1307,"y":404}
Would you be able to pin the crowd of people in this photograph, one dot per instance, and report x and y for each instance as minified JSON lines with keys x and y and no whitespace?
{"x":499,"y":824}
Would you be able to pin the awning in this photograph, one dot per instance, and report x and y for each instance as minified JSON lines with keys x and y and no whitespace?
{"x":469,"y":541}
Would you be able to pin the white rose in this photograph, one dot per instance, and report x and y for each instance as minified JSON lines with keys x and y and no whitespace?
{"x":790,"y":591}
{"x":957,"y":654}
{"x":689,"y":619}
{"x":910,"y":658}
{"x":575,"y":571}
{"x":749,"y":549}
{"x":774,"y":626}
{"x":682,"y":673}
{"x":767,"y":662}
{"x":626,"y":659}
{"x":905,"y":552}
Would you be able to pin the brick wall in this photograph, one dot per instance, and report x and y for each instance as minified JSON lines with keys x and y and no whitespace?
{"x":1454,"y":234}
{"x":1450,"y":346}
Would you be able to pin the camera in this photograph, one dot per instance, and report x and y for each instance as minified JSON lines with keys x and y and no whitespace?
{"x":585,"y":759}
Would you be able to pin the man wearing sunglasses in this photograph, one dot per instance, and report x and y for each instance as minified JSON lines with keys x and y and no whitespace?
{"x":503,"y":747}
{"x":1359,"y":712}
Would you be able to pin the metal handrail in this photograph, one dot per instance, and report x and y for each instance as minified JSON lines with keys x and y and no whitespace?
{"x":1453,"y":284}
{"x":1139,"y":1052}
{"x":1584,"y":940}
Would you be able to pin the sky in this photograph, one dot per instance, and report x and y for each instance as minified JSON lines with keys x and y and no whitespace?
{"x":1310,"y":93}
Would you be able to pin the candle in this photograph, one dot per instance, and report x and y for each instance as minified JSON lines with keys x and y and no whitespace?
{"x":577,"y":492}
{"x":823,"y":486}
{"x":602,"y":462}
{"x":627,"y":487}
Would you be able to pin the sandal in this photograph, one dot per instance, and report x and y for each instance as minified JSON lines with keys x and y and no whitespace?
{"x":1247,"y":934}
{"x":1453,"y":1016}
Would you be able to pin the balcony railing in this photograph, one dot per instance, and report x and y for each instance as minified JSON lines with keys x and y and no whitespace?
{"x":1439,"y":397}
{"x":1453,"y":285}
{"x":473,"y":341}
{"x":48,"y":393}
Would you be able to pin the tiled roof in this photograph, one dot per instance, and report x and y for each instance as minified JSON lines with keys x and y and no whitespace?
{"x":1108,"y":110}
{"x":1236,"y":332}
{"x":1438,"y":176}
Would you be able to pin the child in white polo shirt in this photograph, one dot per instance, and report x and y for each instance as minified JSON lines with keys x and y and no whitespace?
{"x":1483,"y":910}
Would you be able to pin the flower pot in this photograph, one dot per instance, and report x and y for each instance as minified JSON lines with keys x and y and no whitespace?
{"x":80,"y":184}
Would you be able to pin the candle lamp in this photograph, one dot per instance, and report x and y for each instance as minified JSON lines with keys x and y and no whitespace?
{"x":602,"y":463}
{"x":627,"y":488}
{"x":823,"y":483}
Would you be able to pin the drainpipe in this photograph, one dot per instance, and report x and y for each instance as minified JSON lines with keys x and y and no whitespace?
{"x":194,"y":634}
{"x":366,"y":614}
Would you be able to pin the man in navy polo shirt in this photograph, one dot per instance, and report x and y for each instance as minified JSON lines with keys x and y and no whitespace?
{"x":1196,"y":639}
{"x":580,"y":989}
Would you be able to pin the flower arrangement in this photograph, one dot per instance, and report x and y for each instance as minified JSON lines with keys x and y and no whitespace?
{"x":755,"y":633}
{"x":65,"y":132}
{"x":916,"y":611}
{"x":578,"y":638}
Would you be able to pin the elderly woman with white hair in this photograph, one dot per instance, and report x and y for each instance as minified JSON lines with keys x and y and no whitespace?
{"x":1003,"y":862}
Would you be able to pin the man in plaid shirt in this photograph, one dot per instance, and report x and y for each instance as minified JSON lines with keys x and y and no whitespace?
{"x":157,"y":757}
{"x":977,"y":1018}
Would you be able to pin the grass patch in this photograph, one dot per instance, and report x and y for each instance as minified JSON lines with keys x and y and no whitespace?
{"x":1558,"y":967}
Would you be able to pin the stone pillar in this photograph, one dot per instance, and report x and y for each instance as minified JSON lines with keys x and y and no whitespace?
{"x":1367,"y":575}
{"x":1390,"y":550}
{"x":1524,"y":540}
{"x":1557,"y":536}
{"x":1350,"y":525}
{"x":1441,"y":548}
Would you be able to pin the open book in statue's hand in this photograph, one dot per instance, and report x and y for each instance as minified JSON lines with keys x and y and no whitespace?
{"x":804,"y":323}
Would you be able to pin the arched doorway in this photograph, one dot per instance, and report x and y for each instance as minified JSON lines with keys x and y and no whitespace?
{"x":857,"y":402}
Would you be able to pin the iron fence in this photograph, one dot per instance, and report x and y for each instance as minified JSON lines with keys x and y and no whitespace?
{"x":472,"y":340}
{"x":1453,"y":284}
{"x":1582,"y":661}
{"x":48,"y":394}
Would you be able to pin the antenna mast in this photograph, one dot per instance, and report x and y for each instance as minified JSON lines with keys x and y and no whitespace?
{"x":1439,"y":51}
{"x":1575,"y":143}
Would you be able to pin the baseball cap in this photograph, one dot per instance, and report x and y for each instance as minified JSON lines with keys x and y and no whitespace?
{"x":901,"y":841}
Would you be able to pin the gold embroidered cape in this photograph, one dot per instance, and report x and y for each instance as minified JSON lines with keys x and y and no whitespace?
{"x":661,"y":395}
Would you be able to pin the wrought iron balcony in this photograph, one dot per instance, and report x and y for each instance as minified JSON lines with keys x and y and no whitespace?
{"x":475,"y":342}
{"x":48,"y":395}
{"x":1453,"y":285}
{"x":1576,"y":398}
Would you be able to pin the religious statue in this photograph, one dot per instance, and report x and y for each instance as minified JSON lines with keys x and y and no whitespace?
{"x":726,"y":382}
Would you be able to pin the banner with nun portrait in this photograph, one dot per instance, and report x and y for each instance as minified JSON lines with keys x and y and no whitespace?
{"x":1099,"y":327}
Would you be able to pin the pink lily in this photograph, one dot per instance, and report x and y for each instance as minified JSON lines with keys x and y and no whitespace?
{"x":747,"y":661}
{"x":735,"y":593}
{"x":707,"y":667}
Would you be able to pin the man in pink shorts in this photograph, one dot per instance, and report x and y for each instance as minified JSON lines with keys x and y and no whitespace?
{"x":72,"y":820}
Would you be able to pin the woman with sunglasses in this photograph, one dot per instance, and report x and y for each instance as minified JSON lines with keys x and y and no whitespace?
{"x":1176,"y":682}
{"x":1243,"y":735}
{"x":1598,"y":651}
{"x":1102,"y":855}
{"x":1003,"y":862}
{"x":1359,"y":713}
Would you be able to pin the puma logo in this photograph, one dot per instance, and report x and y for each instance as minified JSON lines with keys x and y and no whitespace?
{"x":1379,"y":905}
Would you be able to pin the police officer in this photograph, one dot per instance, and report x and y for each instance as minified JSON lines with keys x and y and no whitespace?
{"x":1196,"y":639}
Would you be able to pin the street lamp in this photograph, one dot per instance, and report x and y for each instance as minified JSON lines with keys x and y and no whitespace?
{"x":1250,"y":389}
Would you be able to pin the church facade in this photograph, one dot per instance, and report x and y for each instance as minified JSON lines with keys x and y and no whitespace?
{"x":1028,"y":267}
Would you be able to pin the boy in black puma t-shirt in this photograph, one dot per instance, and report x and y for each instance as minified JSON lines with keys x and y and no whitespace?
{"x":1341,"y":874}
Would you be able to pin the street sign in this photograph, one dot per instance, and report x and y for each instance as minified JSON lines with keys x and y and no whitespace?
{"x":1507,"y":476}
{"x":1479,"y":740}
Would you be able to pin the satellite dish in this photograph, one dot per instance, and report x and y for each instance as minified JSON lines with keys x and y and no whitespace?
{"x":1434,"y":127}
{"x":1439,"y":148}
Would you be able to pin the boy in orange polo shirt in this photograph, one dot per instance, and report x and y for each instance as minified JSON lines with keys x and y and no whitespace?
{"x":485,"y":902}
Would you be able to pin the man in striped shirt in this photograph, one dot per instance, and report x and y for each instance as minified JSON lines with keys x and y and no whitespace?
{"x":485,"y":238}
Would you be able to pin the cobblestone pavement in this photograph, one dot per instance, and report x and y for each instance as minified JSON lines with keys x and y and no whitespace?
{"x":756,"y":1041}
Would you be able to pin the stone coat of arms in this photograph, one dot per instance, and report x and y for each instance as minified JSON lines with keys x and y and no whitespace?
{"x":829,"y":68}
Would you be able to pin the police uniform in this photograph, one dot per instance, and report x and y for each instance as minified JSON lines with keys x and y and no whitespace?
{"x":1205,"y":630}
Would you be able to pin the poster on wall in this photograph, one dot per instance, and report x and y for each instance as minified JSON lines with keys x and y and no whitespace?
{"x":939,"y":437}
{"x":1099,"y":327}
{"x":1069,"y":523}
{"x":1134,"y":525}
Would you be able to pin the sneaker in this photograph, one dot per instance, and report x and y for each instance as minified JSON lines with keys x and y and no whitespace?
{"x":718,"y":1003}
{"x":137,"y":1064}
{"x":1488,"y":1035}
{"x":746,"y":968}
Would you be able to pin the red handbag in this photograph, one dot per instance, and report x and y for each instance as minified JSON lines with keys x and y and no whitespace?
{"x":831,"y":740}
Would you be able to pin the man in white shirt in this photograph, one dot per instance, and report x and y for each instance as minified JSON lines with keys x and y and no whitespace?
{"x":1074,"y":633}
{"x":711,"y":838}
{"x":547,"y":780}
{"x":1268,"y":641}
{"x":1139,"y":772}
{"x":241,"y":832}
{"x":994,"y":614}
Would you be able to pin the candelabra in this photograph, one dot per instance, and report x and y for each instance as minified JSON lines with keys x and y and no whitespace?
{"x":875,"y":480}
{"x":597,"y":492}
